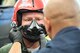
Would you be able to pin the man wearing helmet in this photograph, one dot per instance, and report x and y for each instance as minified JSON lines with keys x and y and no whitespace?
{"x":29,"y":27}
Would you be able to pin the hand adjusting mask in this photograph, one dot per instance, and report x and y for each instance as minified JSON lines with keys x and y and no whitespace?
{"x":32,"y":32}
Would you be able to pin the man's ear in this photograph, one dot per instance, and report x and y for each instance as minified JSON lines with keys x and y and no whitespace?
{"x":47,"y":24}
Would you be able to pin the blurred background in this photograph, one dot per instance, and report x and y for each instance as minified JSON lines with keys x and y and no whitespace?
{"x":6,"y":12}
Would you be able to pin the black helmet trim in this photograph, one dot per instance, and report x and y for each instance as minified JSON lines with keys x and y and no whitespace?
{"x":26,"y":11}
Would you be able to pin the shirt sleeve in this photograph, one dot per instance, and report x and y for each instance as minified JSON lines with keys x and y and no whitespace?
{"x":6,"y":48}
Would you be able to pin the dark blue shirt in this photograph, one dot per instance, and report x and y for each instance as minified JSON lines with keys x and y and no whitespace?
{"x":66,"y":41}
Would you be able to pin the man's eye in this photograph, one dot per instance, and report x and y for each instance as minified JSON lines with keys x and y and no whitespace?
{"x":27,"y":19}
{"x":38,"y":19}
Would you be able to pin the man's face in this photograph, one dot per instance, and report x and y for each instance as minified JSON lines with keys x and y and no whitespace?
{"x":28,"y":17}
{"x":30,"y":28}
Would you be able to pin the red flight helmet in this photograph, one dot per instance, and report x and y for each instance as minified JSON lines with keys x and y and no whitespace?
{"x":24,"y":6}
